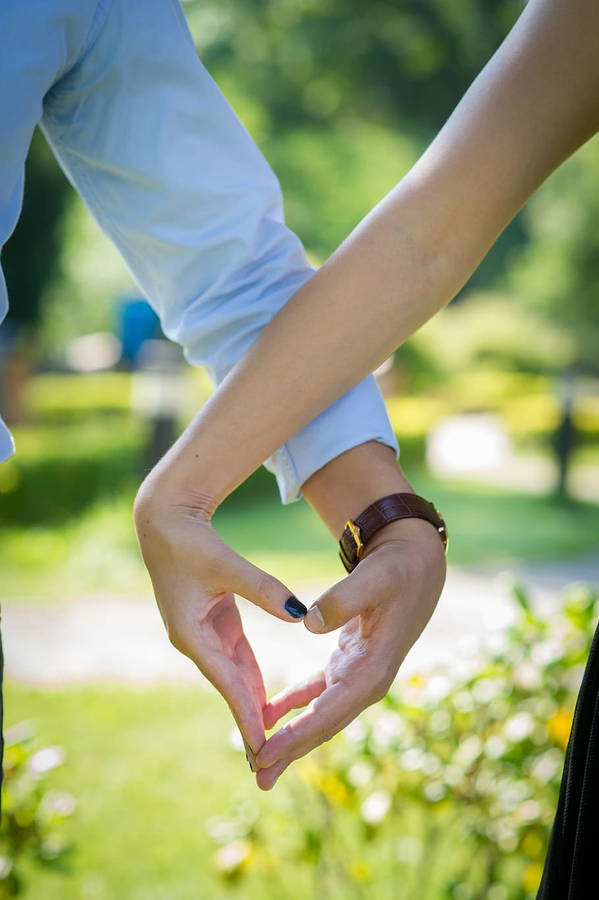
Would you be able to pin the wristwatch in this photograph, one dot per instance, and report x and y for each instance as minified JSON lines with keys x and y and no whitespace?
{"x":360,"y":530}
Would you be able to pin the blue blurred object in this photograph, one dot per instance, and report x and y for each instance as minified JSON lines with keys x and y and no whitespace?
{"x":137,"y":323}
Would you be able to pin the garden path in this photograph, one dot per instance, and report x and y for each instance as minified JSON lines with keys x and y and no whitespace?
{"x":122,"y":639}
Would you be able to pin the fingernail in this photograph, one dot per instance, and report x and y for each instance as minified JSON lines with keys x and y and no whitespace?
{"x":314,"y":620}
{"x":249,"y":763}
{"x":295,"y":607}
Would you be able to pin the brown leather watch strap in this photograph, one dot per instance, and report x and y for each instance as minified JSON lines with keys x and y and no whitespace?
{"x":360,"y":530}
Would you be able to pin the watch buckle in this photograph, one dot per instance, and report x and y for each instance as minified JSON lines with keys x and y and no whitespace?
{"x":354,"y":530}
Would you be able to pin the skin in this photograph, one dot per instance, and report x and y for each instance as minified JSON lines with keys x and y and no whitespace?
{"x":533,"y":105}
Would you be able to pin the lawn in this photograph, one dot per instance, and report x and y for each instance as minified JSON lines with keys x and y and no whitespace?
{"x":152,"y":772}
{"x":148,"y":768}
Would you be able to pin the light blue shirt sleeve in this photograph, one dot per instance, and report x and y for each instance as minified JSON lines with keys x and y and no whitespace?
{"x":174,"y":179}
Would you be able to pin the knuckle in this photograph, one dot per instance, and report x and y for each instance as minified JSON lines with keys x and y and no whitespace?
{"x":379,"y":690}
{"x":175,"y":636}
{"x":267,"y":586}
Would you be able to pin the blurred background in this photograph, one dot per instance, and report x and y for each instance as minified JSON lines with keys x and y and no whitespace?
{"x":124,"y":775}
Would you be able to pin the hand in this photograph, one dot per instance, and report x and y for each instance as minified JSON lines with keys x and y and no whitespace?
{"x":383,"y":606}
{"x":195,"y":574}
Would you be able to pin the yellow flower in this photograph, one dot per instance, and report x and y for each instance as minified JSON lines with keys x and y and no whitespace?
{"x":559,"y":726}
{"x":333,"y":789}
{"x":359,"y":870}
{"x":532,"y":877}
{"x":533,"y":845}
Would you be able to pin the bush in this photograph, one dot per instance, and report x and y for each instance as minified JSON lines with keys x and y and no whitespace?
{"x":31,"y":812}
{"x":449,"y":789}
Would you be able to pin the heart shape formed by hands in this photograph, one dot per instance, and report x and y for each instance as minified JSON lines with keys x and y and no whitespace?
{"x":382,"y":606}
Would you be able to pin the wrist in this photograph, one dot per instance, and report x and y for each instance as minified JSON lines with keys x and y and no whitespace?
{"x":168,"y":491}
{"x":350,"y":482}
{"x":344,"y":487}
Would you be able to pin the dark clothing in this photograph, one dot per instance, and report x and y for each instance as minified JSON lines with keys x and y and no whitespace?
{"x":571,"y":861}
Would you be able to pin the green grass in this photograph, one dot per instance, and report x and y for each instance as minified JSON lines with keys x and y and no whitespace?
{"x":97,"y":552}
{"x":148,"y":768}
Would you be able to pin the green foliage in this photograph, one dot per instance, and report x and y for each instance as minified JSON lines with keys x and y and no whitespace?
{"x":311,"y":61}
{"x":557,"y":276}
{"x":453,"y":784}
{"x":32,"y":813}
{"x":31,"y":258}
{"x":332,"y":177}
{"x":59,"y":472}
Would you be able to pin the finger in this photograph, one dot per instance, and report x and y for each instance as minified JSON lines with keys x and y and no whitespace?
{"x":361,"y":589}
{"x":248,"y":717}
{"x":243,"y":701}
{"x":293,"y":698}
{"x":262,"y":589}
{"x":267,"y":778}
{"x":249,"y":665}
{"x":330,"y":712}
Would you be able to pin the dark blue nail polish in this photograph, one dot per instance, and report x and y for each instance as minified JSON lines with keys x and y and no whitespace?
{"x":295,"y":607}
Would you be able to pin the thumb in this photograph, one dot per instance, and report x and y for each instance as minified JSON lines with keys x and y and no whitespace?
{"x":264,"y":590}
{"x":340,"y":603}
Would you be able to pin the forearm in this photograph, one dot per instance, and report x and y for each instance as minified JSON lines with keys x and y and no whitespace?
{"x":534,"y":104}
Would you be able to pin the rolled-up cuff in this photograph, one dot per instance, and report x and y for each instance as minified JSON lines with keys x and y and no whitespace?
{"x":357,"y":417}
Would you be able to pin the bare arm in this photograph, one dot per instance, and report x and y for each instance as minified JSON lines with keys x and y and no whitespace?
{"x":535,"y":102}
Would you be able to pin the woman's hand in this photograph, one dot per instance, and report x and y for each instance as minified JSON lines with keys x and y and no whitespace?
{"x":383,"y":606}
{"x":195,"y":574}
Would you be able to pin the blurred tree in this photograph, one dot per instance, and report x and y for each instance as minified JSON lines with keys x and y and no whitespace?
{"x":399,"y":65}
{"x":308,"y":60}
{"x":31,"y":258}
{"x":341,"y":97}
{"x":557,"y":275}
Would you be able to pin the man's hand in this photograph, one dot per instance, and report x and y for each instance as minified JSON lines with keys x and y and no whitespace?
{"x":383,"y":605}
{"x":195,"y":574}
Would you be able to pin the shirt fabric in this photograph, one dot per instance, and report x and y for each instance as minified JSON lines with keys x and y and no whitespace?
{"x":173,"y":178}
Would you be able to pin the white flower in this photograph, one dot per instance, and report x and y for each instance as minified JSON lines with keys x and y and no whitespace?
{"x":360,"y":774}
{"x":546,"y":651}
{"x":5,"y":866}
{"x":495,"y":746}
{"x":527,"y":675}
{"x":438,"y":687}
{"x":231,"y":856}
{"x":412,"y":759}
{"x":546,"y":767}
{"x":355,"y":731}
{"x":469,"y":749}
{"x":60,"y":804}
{"x":440,"y":721}
{"x":386,"y":728}
{"x":519,"y":726}
{"x":529,"y":811}
{"x":45,"y":759}
{"x":375,"y":807}
{"x":223,"y":831}
{"x":434,"y":791}
{"x":487,"y":689}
